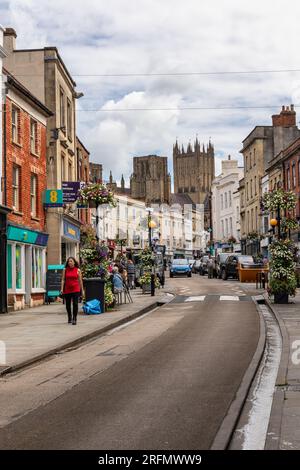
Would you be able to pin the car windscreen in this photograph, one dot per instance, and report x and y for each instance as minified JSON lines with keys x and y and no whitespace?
{"x":180,"y":262}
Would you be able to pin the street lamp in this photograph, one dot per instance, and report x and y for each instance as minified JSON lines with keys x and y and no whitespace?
{"x":151,"y":225}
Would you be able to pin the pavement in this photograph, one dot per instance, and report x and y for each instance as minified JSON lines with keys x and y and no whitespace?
{"x":30,"y":335}
{"x":284,"y":425}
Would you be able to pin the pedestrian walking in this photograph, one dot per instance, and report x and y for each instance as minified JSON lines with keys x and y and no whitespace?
{"x":131,"y":274}
{"x":71,"y":287}
{"x":210,"y":267}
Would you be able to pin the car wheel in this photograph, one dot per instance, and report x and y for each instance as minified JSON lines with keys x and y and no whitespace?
{"x":171,"y":275}
{"x":224,"y":275}
{"x":189,"y":275}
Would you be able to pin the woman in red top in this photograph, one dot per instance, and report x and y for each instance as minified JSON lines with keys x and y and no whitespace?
{"x":71,"y":286}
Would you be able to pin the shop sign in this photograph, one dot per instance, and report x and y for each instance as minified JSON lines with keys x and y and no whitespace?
{"x":53,"y":198}
{"x":71,"y":231}
{"x":70,"y":191}
{"x":26,"y":236}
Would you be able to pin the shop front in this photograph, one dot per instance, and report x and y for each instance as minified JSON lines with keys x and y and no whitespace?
{"x":70,"y":239}
{"x":26,"y":267}
{"x":3,"y":261}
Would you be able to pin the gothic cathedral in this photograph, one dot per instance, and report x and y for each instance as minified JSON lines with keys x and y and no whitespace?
{"x":194,"y":170}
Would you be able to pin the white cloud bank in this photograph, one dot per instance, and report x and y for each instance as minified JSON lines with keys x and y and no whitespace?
{"x":150,"y":36}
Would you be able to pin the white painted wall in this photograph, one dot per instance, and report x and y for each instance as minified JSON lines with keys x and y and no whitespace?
{"x":225,"y":201}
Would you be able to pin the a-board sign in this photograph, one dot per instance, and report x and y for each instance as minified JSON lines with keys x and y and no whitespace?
{"x":53,"y":279}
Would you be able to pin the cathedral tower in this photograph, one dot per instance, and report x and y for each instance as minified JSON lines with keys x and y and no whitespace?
{"x":150,"y":180}
{"x":194,"y":170}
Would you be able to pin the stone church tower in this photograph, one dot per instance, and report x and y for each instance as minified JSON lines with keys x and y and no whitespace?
{"x":150,"y":180}
{"x":194,"y":170}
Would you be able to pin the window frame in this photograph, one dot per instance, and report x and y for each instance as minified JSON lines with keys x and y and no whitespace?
{"x":15,"y":126}
{"x":34,"y":137}
{"x":33,"y":195}
{"x":16,"y":187}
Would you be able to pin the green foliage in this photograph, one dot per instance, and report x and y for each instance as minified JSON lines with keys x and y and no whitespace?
{"x":282,"y":268}
{"x":97,"y":194}
{"x":279,"y":198}
{"x":146,"y":279}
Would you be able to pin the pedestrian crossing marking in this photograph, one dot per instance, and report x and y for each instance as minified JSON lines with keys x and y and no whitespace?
{"x":197,"y":298}
{"x":229,"y":297}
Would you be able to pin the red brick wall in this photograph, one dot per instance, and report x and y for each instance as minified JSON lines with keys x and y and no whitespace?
{"x":21,"y":155}
{"x":83,"y":175}
{"x":287,"y":165}
{"x":286,"y":118}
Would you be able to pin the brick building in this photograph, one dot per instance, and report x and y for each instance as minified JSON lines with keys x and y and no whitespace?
{"x":24,"y":173}
{"x":43,"y":72}
{"x":83,"y":172}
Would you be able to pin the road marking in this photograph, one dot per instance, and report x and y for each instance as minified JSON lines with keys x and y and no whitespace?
{"x":197,"y":298}
{"x":229,"y":297}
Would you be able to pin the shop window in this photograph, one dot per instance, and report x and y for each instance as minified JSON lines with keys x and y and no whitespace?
{"x":19,"y":267}
{"x":37,"y":268}
{"x":9,"y":267}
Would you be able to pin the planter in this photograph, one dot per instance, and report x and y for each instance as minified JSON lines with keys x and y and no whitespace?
{"x":146,"y":288}
{"x":94,"y":289}
{"x":281,"y":298}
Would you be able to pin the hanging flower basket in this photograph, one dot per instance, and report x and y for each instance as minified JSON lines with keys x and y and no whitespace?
{"x":279,"y":198}
{"x":93,"y":195}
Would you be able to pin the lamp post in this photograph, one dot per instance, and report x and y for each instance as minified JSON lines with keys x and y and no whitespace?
{"x":151,"y":225}
{"x":274,"y":223}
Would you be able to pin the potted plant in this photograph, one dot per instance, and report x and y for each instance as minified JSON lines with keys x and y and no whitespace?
{"x":283,"y":280}
{"x":94,"y":267}
{"x":145,"y":282}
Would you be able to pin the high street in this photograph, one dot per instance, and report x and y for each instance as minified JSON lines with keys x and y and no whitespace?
{"x":164,"y":381}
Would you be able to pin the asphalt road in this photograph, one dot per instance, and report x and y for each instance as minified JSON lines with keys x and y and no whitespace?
{"x":171,"y":392}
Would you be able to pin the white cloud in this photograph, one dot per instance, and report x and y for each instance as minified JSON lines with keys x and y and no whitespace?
{"x":151,"y":36}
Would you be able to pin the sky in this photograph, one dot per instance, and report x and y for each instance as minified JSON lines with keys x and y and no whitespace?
{"x":139,"y":63}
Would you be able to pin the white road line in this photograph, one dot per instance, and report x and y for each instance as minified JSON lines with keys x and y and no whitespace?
{"x":229,"y":297}
{"x":197,"y":298}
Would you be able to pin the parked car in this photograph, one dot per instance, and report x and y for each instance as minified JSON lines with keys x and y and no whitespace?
{"x":230,"y":268}
{"x":203,"y":265}
{"x":191,"y":262}
{"x":196,"y":266}
{"x":220,"y":262}
{"x":180,"y":267}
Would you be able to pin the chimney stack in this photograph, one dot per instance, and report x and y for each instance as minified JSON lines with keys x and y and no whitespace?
{"x":286,"y":118}
{"x":9,"y":42}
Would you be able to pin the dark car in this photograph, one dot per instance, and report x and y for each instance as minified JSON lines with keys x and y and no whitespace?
{"x":230,"y":268}
{"x":203,"y":265}
{"x":180,"y":267}
{"x":220,"y":262}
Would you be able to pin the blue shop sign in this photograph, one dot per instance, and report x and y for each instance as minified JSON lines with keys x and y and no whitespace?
{"x":71,"y":231}
{"x":25,"y":235}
